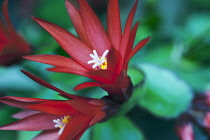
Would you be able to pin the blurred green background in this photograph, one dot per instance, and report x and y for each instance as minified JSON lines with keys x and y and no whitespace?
{"x":176,"y":63}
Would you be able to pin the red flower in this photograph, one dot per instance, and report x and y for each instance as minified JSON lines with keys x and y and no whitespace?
{"x":97,"y":54}
{"x":12,"y":45}
{"x":198,"y":114}
{"x":185,"y":132}
{"x":184,"y":128}
{"x":59,"y":119}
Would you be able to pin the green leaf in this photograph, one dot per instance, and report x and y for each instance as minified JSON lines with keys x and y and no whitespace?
{"x":86,"y":135}
{"x":118,"y":128}
{"x":27,"y":135}
{"x":14,"y":82}
{"x":166,"y":95}
{"x":136,"y":75}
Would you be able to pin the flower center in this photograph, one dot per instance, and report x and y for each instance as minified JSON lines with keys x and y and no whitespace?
{"x":99,"y":62}
{"x":61,"y":123}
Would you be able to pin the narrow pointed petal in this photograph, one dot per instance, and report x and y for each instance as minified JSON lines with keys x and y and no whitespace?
{"x":74,"y":14}
{"x":47,"y":85}
{"x":94,"y":29}
{"x":98,"y":117}
{"x":114,"y":61}
{"x":131,"y":41}
{"x":97,"y":102}
{"x":5,"y":13}
{"x":123,"y":80}
{"x":19,"y":102}
{"x":71,"y":44}
{"x":103,"y":76}
{"x":69,"y":70}
{"x":138,"y":47}
{"x":54,"y":107}
{"x":55,"y":60}
{"x":81,"y":107}
{"x":49,"y":134}
{"x":23,"y":99}
{"x":41,"y":121}
{"x":24,"y":114}
{"x":86,"y":85}
{"x":114,"y":23}
{"x":76,"y":126}
{"x":114,"y":92}
{"x":126,"y":33}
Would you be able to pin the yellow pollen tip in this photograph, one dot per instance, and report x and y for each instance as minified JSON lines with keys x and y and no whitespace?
{"x":104,"y":65}
{"x":99,"y":62}
{"x":66,"y":120}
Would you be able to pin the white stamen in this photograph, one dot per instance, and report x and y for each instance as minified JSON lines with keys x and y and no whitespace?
{"x":61,"y":123}
{"x":105,"y":53}
{"x":95,"y":53}
{"x":98,"y":61}
{"x":61,"y":130}
{"x":95,"y":65}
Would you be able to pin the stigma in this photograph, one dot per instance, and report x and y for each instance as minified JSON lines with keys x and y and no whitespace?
{"x":99,"y":62}
{"x":61,"y":123}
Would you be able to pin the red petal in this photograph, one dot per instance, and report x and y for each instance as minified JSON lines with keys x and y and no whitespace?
{"x":54,"y":107}
{"x":19,"y":101}
{"x":98,"y":117}
{"x":47,"y":85}
{"x":3,"y":38}
{"x":22,"y":99}
{"x":17,"y":46}
{"x":84,"y":107}
{"x":114,"y":92}
{"x":5,"y":12}
{"x":55,"y":60}
{"x":41,"y":121}
{"x":77,"y":21}
{"x":48,"y":134}
{"x":96,"y":102}
{"x":126,"y":33}
{"x":185,"y":132}
{"x":138,"y":47}
{"x":86,"y":85}
{"x":123,"y":80}
{"x":94,"y":29}
{"x":114,"y":61}
{"x":69,"y":70}
{"x":72,"y":45}
{"x":24,"y":114}
{"x":76,"y":127}
{"x":113,"y":23}
{"x":103,"y":76}
{"x":130,"y":43}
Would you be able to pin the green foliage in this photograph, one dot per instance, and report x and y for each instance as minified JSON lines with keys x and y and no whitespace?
{"x":13,"y":82}
{"x":118,"y":128}
{"x":165,"y":95}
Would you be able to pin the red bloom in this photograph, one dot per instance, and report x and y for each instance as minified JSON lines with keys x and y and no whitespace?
{"x":198,"y":114}
{"x":97,"y":54}
{"x":185,"y":132}
{"x":184,"y":128}
{"x":12,"y":45}
{"x":59,"y":119}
